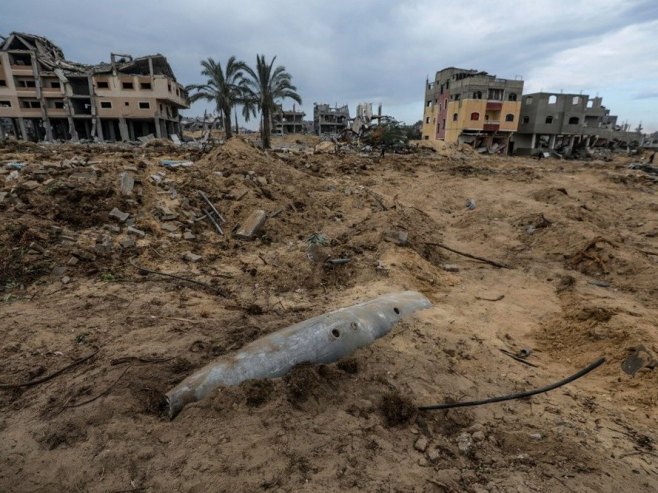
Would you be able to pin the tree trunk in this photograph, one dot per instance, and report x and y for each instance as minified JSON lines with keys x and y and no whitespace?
{"x":237,"y":129}
{"x":266,"y":127}
{"x":227,"y":123}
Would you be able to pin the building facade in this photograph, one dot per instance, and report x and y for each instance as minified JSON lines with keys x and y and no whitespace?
{"x":470,"y":106}
{"x":562,"y":121}
{"x":43,"y":96}
{"x":288,"y":121}
{"x":330,"y":121}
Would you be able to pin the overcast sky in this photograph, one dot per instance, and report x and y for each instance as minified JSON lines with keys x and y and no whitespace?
{"x":381,"y":51}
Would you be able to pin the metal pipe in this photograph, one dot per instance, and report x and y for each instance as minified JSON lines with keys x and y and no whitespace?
{"x":322,"y":339}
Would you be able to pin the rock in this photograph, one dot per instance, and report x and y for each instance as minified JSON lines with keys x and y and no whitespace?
{"x":188,"y":235}
{"x":126,"y":182}
{"x":36,"y":247}
{"x":73,"y":261}
{"x":470,"y":204}
{"x":252,"y":225}
{"x":536,"y":436}
{"x":399,"y":237}
{"x":118,"y":215}
{"x":423,"y":462}
{"x":170,"y":227}
{"x":66,"y":280}
{"x":479,"y":436}
{"x":191,"y":257}
{"x":421,"y":444}
{"x":136,"y":232}
{"x":3,"y":195}
{"x":30,"y":185}
{"x":127,"y":242}
{"x":464,"y":443}
{"x":261,"y":180}
{"x":450,"y":267}
{"x":433,"y":455}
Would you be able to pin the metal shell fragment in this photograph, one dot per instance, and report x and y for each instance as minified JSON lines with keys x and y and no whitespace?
{"x":322,"y":339}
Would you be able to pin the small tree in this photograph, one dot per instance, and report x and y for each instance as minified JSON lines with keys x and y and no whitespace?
{"x":223,"y":87}
{"x":264,"y":86}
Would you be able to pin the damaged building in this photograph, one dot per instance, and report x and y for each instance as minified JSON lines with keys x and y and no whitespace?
{"x":563,"y":121}
{"x":471,"y":106}
{"x":329,"y":120}
{"x":288,"y":121}
{"x":44,"y":97}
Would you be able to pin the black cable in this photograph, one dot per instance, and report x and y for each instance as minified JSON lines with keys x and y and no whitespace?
{"x":520,"y":395}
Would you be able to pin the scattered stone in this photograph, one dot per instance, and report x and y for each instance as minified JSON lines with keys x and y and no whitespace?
{"x":536,"y":436}
{"x":112,"y":228}
{"x":127,"y":242}
{"x":126,"y":182}
{"x":118,"y":215}
{"x":450,"y":267}
{"x":3,"y":195}
{"x":188,"y":235}
{"x":73,"y":261}
{"x":170,"y":227}
{"x":31,"y":185}
{"x":66,"y":280}
{"x":252,"y":225}
{"x":433,"y":455}
{"x":464,"y":443}
{"x":136,"y":232}
{"x":399,"y":237}
{"x":421,"y":444}
{"x":470,"y":204}
{"x":36,"y":247}
{"x":479,"y":436}
{"x":191,"y":257}
{"x":83,"y":255}
{"x":261,"y":180}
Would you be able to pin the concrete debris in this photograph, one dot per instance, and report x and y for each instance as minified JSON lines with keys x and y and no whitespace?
{"x":188,"y":235}
{"x":191,"y":257}
{"x":170,"y":163}
{"x":30,"y":185}
{"x":73,"y":261}
{"x":252,"y":225}
{"x":464,"y":443}
{"x":15,"y":165}
{"x":126,"y":183}
{"x":399,"y":237}
{"x":127,"y":242}
{"x":119,"y":215}
{"x":421,"y":444}
{"x":66,"y":280}
{"x":170,"y":227}
{"x":450,"y":267}
{"x":470,"y":204}
{"x":135,"y":232}
{"x":3,"y":196}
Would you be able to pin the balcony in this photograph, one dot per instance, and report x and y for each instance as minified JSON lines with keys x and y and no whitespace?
{"x":494,"y":105}
{"x":491,"y":126}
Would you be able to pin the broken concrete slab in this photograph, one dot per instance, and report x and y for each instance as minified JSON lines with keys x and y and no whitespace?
{"x":172,"y":163}
{"x":127,"y":242}
{"x":170,"y":227}
{"x":119,"y":215}
{"x":31,"y":185}
{"x":450,"y":267}
{"x":3,"y":196}
{"x":188,"y":235}
{"x":252,"y":225}
{"x":126,"y":183}
{"x":191,"y":257}
{"x":136,"y":232}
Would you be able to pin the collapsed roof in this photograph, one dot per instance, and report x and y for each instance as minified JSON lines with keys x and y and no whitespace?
{"x":51,"y":57}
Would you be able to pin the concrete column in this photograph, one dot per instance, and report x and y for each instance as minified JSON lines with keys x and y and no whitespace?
{"x":99,"y":129}
{"x":123,"y":130}
{"x":110,"y":126}
{"x":21,"y":125}
{"x":532,"y":142}
{"x":551,"y":142}
{"x":158,"y":129}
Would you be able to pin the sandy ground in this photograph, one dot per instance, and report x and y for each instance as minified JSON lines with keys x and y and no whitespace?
{"x":579,"y":239}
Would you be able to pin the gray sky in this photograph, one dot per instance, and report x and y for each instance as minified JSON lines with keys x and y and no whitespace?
{"x":379,"y":51}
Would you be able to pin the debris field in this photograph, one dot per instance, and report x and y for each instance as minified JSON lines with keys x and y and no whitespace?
{"x":124,"y":269}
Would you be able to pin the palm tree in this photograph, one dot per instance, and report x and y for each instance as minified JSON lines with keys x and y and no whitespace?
{"x":266,"y":86}
{"x":222,"y":87}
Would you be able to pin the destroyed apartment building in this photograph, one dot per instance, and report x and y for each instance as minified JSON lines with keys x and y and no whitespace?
{"x":288,"y":121}
{"x":473,"y":107}
{"x":330,"y":121}
{"x":44,"y":97}
{"x":564,"y":121}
